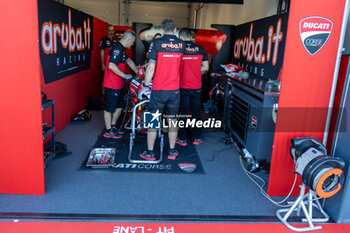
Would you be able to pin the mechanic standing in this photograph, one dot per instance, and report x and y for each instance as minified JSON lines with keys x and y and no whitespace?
{"x":194,"y":64}
{"x":165,"y":54}
{"x":105,"y":44}
{"x":114,"y":79}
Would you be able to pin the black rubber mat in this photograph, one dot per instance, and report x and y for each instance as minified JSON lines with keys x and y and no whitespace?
{"x":187,"y":162}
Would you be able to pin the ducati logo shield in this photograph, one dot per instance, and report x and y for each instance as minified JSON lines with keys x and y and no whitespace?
{"x":187,"y":167}
{"x":314,"y":32}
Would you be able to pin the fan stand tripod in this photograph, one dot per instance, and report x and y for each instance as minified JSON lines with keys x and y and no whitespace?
{"x":304,"y":200}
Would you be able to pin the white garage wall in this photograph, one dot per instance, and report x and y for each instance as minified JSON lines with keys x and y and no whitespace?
{"x":234,"y":14}
{"x":113,"y":12}
{"x":106,"y":10}
{"x":147,"y":12}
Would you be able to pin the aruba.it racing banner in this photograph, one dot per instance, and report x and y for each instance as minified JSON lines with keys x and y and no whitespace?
{"x":259,"y":46}
{"x":65,"y":37}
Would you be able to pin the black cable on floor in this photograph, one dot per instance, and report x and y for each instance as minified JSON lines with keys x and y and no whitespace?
{"x":227,"y":141}
{"x":216,"y":152}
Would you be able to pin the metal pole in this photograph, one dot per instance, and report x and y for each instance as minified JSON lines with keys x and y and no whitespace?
{"x":189,"y":14}
{"x":126,"y":7}
{"x":119,"y":12}
{"x":200,"y":6}
{"x":336,"y":72}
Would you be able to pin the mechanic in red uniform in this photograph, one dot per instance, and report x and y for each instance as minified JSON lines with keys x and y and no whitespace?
{"x":114,"y":79}
{"x":164,"y":56}
{"x":105,"y":44}
{"x":194,"y":64}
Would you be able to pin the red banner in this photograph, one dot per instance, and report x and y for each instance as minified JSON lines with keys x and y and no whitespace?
{"x":89,"y":227}
{"x":311,"y":51}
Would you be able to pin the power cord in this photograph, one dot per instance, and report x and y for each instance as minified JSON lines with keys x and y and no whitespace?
{"x":227,"y":141}
{"x":216,"y":152}
{"x":261,"y":187}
